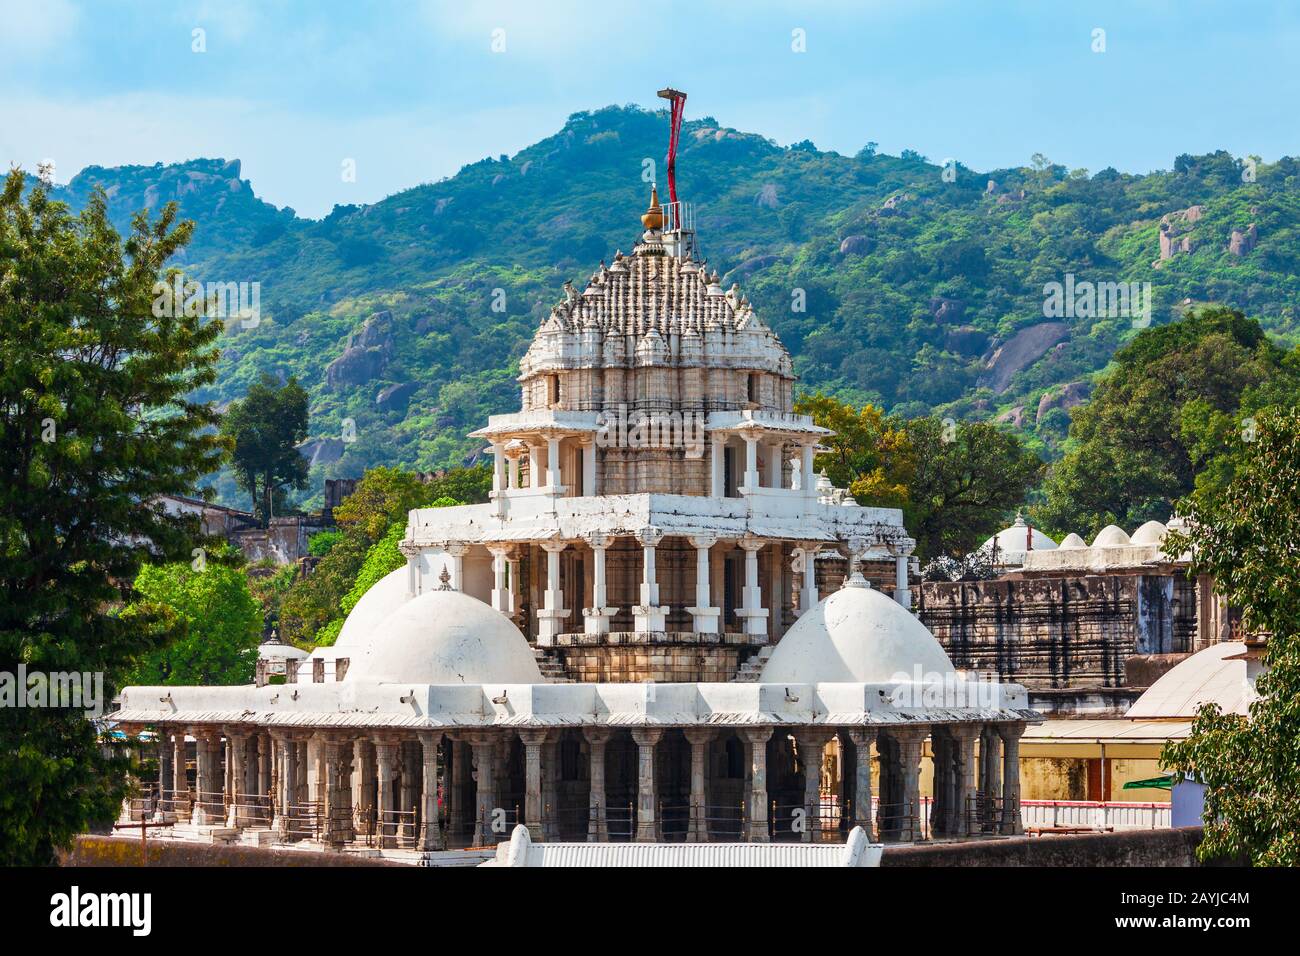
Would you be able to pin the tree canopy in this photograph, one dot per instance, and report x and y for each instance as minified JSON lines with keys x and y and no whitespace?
{"x":95,"y":424}
{"x":265,"y":429}
{"x":1244,"y":534}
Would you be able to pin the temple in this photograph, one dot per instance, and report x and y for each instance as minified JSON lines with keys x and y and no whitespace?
{"x":629,"y":641}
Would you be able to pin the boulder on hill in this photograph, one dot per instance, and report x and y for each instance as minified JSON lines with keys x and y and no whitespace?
{"x":1066,"y":397}
{"x":1020,"y":351}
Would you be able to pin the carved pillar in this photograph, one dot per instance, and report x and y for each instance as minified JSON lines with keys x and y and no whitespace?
{"x":265,"y":784}
{"x":336,"y":826}
{"x":553,"y":482}
{"x":502,"y":598}
{"x":1010,"y":734}
{"x":457,"y":550}
{"x":807,"y":480}
{"x":808,"y":596}
{"x":698,"y":827}
{"x":180,"y":783}
{"x":704,"y":613}
{"x":966,"y":819}
{"x":363,"y":781}
{"x":648,"y":616}
{"x":589,"y":453}
{"x":718,"y":474}
{"x":237,"y":757}
{"x":533,"y":740}
{"x":909,"y":741}
{"x":551,"y":616}
{"x":430,"y":826}
{"x":484,"y":745}
{"x":385,"y":758}
{"x":597,"y":825}
{"x":751,"y":482}
{"x":862,"y":815}
{"x":166,"y":775}
{"x":902,"y":592}
{"x":647,"y":829}
{"x":752,"y":612}
{"x":990,"y":777}
{"x":812,"y":745}
{"x":597,"y":617}
{"x":756,"y":805}
{"x":410,"y":765}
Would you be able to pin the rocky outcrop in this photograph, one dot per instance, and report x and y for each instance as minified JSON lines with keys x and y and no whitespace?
{"x":322,"y":451}
{"x":766,"y":197}
{"x":1012,"y":416}
{"x":395,"y":396}
{"x":945,"y":309}
{"x":1175,"y":231}
{"x":1066,"y":397}
{"x":855,"y":246}
{"x":966,"y":340}
{"x":1020,"y":351}
{"x":1243,"y":241}
{"x":366,"y":354}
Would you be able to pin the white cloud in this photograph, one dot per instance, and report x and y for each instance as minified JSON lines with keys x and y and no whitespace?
{"x":31,"y":29}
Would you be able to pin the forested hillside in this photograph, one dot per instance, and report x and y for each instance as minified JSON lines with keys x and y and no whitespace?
{"x":920,"y":290}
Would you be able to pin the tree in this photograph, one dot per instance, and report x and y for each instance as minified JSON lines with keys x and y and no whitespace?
{"x":95,"y":425}
{"x":869,"y":454}
{"x":1160,"y":417}
{"x":969,"y":477}
{"x":1244,"y":535}
{"x":218,"y":624}
{"x":265,"y":429}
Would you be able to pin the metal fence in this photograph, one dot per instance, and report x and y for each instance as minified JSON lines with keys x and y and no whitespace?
{"x":1094,"y":815}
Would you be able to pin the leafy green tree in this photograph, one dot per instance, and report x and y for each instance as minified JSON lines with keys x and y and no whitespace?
{"x":265,"y":429}
{"x":95,"y":425}
{"x":218,"y":624}
{"x":969,"y":477}
{"x":1160,"y":417}
{"x":869,"y":454}
{"x":1244,"y":534}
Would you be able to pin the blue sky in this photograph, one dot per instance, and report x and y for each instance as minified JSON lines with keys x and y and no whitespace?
{"x":413,"y":90}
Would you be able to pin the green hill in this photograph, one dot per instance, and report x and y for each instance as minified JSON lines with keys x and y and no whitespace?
{"x":922,"y":291}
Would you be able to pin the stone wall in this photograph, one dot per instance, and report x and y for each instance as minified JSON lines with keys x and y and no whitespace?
{"x":1127,"y":848}
{"x":95,"y":850}
{"x":1073,"y":631}
{"x":630,"y":657}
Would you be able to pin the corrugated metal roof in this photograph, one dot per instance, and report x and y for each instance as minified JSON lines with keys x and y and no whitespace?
{"x":1118,"y":730}
{"x":685,"y":854}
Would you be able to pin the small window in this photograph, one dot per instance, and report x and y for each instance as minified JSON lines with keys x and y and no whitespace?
{"x":553,"y":391}
{"x":753,"y":388}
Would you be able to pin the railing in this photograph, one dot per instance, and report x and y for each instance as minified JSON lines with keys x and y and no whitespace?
{"x":1095,"y":815}
{"x":303,"y":821}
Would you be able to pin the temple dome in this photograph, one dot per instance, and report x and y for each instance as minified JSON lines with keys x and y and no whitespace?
{"x":384,"y":597}
{"x":446,"y":637}
{"x":1011,"y":542}
{"x":1153,"y":532}
{"x":856,"y":635}
{"x":1220,"y":674}
{"x":1111,"y":536}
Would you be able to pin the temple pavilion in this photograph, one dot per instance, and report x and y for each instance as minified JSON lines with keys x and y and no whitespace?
{"x":628,"y":641}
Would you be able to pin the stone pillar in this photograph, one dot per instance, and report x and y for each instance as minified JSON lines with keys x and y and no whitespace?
{"x":385,"y":754}
{"x":752,"y":613}
{"x":756,"y":822}
{"x":942,"y":764}
{"x":698,"y":827}
{"x":597,"y":617}
{"x":648,"y":616}
{"x":862,"y":815}
{"x":410,"y":765}
{"x":502,"y":598}
{"x":812,"y":744}
{"x":807,"y":480}
{"x":551,"y":616}
{"x":336,"y":828}
{"x":967,"y":820}
{"x":533,"y":740}
{"x":705,"y":615}
{"x":265,"y":773}
{"x":597,"y":824}
{"x":484,"y":745}
{"x":553,"y":482}
{"x":647,"y":829}
{"x":363,"y":780}
{"x":534,"y":465}
{"x":455,"y":780}
{"x":430,"y":825}
{"x":180,"y":782}
{"x":166,"y":775}
{"x":589,"y":467}
{"x":909,"y":740}
{"x":1010,"y":734}
{"x":808,"y":595}
{"x":990,"y":777}
{"x":498,"y":468}
{"x":902,"y":592}
{"x":457,"y":550}
{"x":206,"y":796}
{"x":237,"y":757}
{"x":551,"y":786}
{"x":717,"y":461}
{"x":751,"y":482}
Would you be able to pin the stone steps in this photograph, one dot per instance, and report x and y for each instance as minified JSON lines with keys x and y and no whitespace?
{"x":750,"y":670}
{"x":552,"y":670}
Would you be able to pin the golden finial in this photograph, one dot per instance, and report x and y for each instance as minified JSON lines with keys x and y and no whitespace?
{"x":653,"y":219}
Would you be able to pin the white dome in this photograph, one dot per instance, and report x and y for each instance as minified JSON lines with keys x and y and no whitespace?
{"x":1111,"y":536}
{"x":1153,"y":532}
{"x":446,"y":637}
{"x":1206,"y":677}
{"x":1071,"y":542}
{"x":384,"y":597}
{"x":856,"y":635}
{"x":1012,"y":542}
